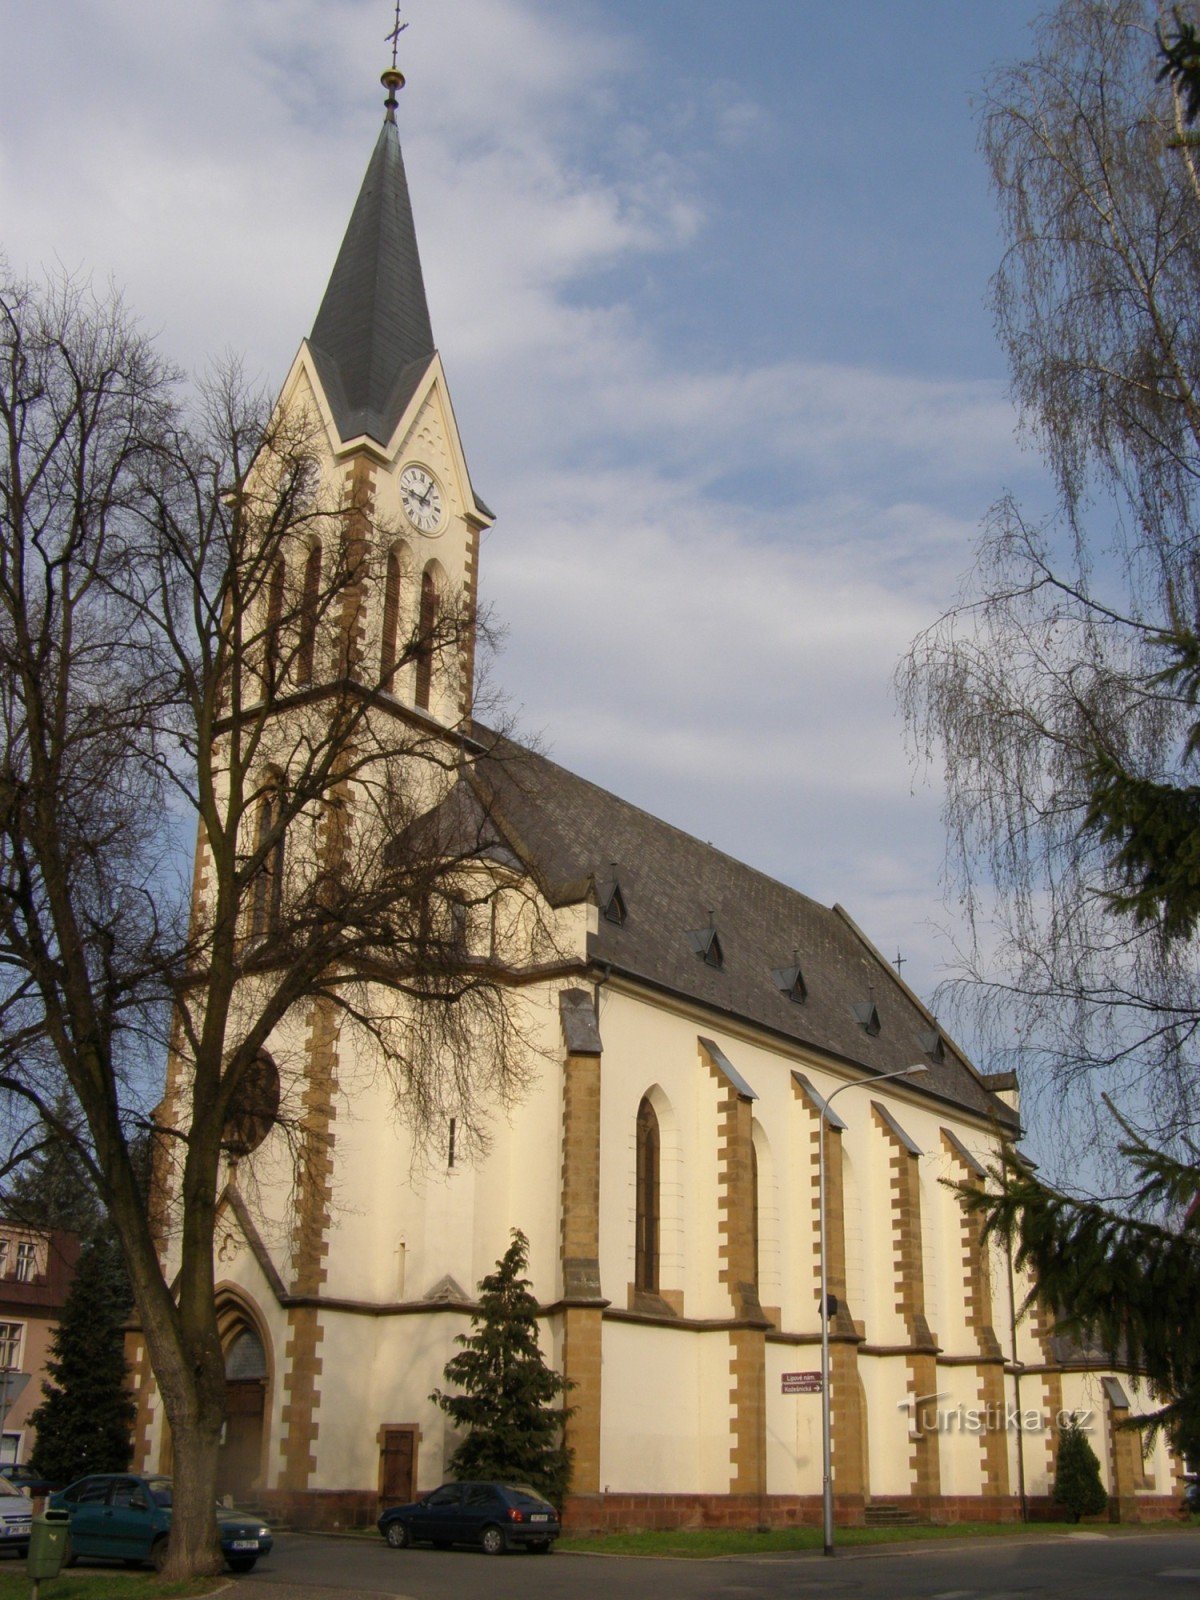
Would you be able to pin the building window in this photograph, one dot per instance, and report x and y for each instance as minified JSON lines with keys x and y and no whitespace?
{"x":645,"y":1267}
{"x":10,"y":1343}
{"x":754,"y":1211}
{"x":3,"y":1257}
{"x":391,"y":619}
{"x":255,"y":1109}
{"x":309,"y":608}
{"x":275,"y":586}
{"x":426,"y":629}
{"x":26,"y":1262}
{"x":267,"y":890}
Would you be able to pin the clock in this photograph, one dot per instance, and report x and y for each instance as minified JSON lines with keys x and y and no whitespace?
{"x":421,"y":497}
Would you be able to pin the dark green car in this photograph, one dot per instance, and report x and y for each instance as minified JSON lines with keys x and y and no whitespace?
{"x":119,"y":1517}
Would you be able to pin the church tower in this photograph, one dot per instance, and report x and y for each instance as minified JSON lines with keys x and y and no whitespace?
{"x":371,"y":372}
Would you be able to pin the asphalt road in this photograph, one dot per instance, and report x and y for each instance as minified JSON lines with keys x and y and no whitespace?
{"x":1089,"y":1566}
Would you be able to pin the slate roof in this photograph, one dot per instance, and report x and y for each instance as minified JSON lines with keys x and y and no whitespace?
{"x":373,"y":341}
{"x":571,"y":833}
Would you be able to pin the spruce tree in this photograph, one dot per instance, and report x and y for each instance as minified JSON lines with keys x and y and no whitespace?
{"x":508,"y":1392}
{"x":1077,"y":1482}
{"x":85,"y":1421}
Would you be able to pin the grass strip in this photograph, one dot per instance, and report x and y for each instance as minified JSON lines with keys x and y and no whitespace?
{"x":707,"y":1542}
{"x":97,"y":1583}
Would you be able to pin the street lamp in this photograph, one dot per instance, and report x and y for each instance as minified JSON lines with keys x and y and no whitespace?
{"x":826,"y":1411}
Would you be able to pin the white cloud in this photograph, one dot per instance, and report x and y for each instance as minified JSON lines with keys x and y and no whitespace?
{"x":708,"y":571}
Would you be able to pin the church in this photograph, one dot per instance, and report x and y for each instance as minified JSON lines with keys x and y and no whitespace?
{"x":664,"y":1156}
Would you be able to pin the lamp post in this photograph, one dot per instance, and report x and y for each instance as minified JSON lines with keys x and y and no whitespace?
{"x":826,"y":1411}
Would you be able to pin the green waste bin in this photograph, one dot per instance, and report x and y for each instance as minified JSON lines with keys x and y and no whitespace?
{"x":48,"y":1544}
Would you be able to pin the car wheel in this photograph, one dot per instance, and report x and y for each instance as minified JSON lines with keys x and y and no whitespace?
{"x":242,"y":1563}
{"x":492,"y":1540}
{"x":398,"y":1536}
{"x":70,"y":1556}
{"x":158,"y":1554}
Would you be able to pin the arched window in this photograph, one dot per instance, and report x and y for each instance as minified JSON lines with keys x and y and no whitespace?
{"x":645,"y":1266}
{"x":426,"y":630}
{"x":266,"y":901}
{"x":754,"y":1213}
{"x":272,"y":640}
{"x":309,"y":607}
{"x":389,"y":645}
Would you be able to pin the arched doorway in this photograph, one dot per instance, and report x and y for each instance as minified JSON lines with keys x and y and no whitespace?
{"x":240,"y":1461}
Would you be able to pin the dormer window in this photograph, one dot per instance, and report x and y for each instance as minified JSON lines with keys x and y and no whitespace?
{"x":612,"y":903}
{"x":868,"y":1016}
{"x":932,"y":1043}
{"x":707,"y":945}
{"x":790,"y":983}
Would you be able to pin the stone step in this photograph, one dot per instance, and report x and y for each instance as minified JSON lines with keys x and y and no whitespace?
{"x":880,"y":1513}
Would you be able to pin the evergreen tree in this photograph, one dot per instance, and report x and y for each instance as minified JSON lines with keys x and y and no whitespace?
{"x":508,"y":1392}
{"x":1077,"y":1482}
{"x":85,"y":1421}
{"x":53,"y":1188}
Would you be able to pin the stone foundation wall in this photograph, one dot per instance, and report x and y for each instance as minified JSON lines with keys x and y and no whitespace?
{"x":332,"y":1509}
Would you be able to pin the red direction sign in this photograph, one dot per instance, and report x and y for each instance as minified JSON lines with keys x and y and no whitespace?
{"x":801,"y":1383}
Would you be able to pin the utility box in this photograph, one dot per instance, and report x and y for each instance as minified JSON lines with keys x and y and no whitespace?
{"x":48,"y":1544}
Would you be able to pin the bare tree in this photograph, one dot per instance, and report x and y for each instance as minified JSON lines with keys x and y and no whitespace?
{"x":182,"y":620}
{"x":1056,"y":667}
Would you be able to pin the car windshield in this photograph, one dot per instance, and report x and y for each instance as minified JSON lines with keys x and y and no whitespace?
{"x":523,"y":1495}
{"x":160,"y":1491}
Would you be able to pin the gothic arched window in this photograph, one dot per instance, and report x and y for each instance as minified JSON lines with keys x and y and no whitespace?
{"x":645,"y":1267}
{"x":266,"y":901}
{"x":754,"y":1211}
{"x":309,"y":608}
{"x":272,"y":640}
{"x":426,"y":630}
{"x":389,"y":645}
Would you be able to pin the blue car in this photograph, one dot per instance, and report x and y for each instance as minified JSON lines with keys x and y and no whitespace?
{"x":119,"y":1517}
{"x":495,"y":1516}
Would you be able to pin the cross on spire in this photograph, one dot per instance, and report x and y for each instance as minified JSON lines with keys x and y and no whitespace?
{"x":394,"y":36}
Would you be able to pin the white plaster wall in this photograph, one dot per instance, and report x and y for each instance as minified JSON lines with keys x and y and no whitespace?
{"x":960,"y":1422}
{"x":793,"y":1423}
{"x":663,"y":1427}
{"x":885,"y":1383}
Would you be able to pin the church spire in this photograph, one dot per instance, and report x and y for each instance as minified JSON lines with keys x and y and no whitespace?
{"x":372,"y":341}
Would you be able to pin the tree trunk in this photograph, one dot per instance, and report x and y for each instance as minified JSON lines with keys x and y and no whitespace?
{"x":194,"y":1547}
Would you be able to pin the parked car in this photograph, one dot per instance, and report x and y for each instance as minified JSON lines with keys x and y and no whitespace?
{"x":121,"y":1517}
{"x":26,"y":1481}
{"x":497,"y":1516}
{"x":1191,"y":1495}
{"x":16,"y":1518}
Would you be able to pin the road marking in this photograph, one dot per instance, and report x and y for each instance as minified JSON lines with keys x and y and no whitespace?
{"x":1181,"y":1572}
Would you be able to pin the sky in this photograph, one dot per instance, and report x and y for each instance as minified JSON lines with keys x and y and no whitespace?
{"x":710,"y":285}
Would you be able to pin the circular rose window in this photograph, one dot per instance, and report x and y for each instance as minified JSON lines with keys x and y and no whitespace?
{"x":256,"y":1108}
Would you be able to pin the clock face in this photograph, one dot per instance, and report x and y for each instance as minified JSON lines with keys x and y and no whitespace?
{"x":421,"y":498}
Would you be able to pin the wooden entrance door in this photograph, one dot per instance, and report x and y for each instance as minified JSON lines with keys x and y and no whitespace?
{"x":398,"y":1463}
{"x":241,"y":1448}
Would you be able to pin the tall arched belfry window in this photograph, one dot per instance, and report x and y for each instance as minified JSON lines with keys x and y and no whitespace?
{"x":309,"y":608}
{"x":267,"y":892}
{"x":272,"y":650}
{"x":645,"y":1268}
{"x":391,"y":618}
{"x":426,"y":631}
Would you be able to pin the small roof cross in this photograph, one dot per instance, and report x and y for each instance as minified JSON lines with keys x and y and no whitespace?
{"x":394,"y":36}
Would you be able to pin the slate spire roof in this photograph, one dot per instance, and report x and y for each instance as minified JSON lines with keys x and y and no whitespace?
{"x":372,"y":341}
